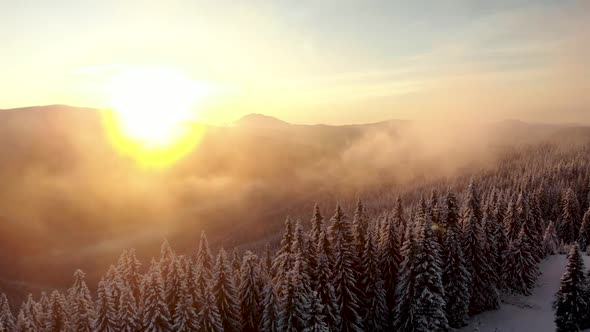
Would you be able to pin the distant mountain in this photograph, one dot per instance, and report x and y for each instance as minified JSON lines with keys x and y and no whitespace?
{"x":260,"y":120}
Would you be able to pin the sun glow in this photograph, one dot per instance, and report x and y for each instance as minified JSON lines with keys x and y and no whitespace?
{"x":152,"y":116}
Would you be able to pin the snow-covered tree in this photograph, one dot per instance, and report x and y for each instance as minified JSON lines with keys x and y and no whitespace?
{"x":131,"y":275}
{"x":202,"y":271}
{"x":116,"y":285}
{"x":584,"y":237}
{"x":58,"y":319}
{"x":80,"y":303}
{"x":375,"y":316}
{"x":571,"y":303}
{"x":294,"y":301}
{"x":550,"y":240}
{"x":185,"y":317}
{"x":128,"y":317}
{"x":155,"y":314}
{"x":456,"y":278}
{"x":209,"y":318}
{"x":316,"y":321}
{"x":569,"y":225}
{"x":520,"y":268}
{"x":484,"y":295}
{"x":270,"y":310}
{"x":325,"y":287}
{"x":23,"y":324}
{"x":225,"y":292}
{"x":106,"y":319}
{"x":7,"y":320}
{"x":249,"y":295}
{"x":430,"y":312}
{"x":344,"y":276}
{"x":511,"y":221}
{"x":389,"y":261}
{"x":317,"y":229}
{"x":173,"y":284}
{"x":405,"y":294}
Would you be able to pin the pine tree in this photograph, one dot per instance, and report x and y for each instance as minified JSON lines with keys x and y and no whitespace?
{"x":490,"y":225}
{"x":550,"y":240}
{"x":225,"y":292}
{"x":131,"y":276}
{"x":58,"y":320}
{"x":325,"y":287}
{"x":317,"y":228}
{"x":456,"y":279}
{"x":7,"y":320}
{"x":115,"y":282}
{"x":173,"y":284}
{"x":390,"y":260}
{"x":316,"y":321}
{"x":571,"y":304}
{"x":32,"y":312}
{"x":284,"y":259}
{"x":185,"y":317}
{"x":569,"y":225}
{"x":209,"y":318}
{"x":106,"y":314}
{"x":128,"y":316}
{"x":155,"y":314}
{"x":360,"y":228}
{"x":484,"y":295}
{"x":81,"y":305}
{"x":405,"y":293}
{"x":345,"y":283}
{"x":520,"y":268}
{"x":584,"y":237}
{"x":249,"y":295}
{"x":430,"y":312}
{"x":23,"y":324}
{"x":511,"y":222}
{"x":294,"y":301}
{"x":270,"y":313}
{"x":202,"y":272}
{"x":376,"y":314}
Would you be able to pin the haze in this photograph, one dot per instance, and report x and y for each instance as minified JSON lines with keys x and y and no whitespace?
{"x":310,"y":61}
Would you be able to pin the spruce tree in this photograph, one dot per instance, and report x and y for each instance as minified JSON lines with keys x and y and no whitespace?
{"x":294,"y":302}
{"x":270,"y":314}
{"x":32,"y":310}
{"x":128,"y":316}
{"x":405,"y":294}
{"x":185,"y":317}
{"x":209,"y":318}
{"x":249,"y":295}
{"x":23,"y":324}
{"x":389,"y":261}
{"x":484,"y":295}
{"x":173,"y":284}
{"x":225,"y":292}
{"x":571,"y":303}
{"x":155,"y":314}
{"x":316,"y":321}
{"x":569,"y":225}
{"x":202,"y":271}
{"x":284,"y":259}
{"x":456,"y":279}
{"x":317,"y":229}
{"x":58,"y":319}
{"x":511,"y":222}
{"x":81,"y":305}
{"x":106,"y":319}
{"x":344,"y":277}
{"x":325,"y":287}
{"x":550,"y":240}
{"x":376,"y":314}
{"x":7,"y":320}
{"x":520,"y":269}
{"x":131,"y":275}
{"x":430,"y":312}
{"x":115,"y":282}
{"x":584,"y":237}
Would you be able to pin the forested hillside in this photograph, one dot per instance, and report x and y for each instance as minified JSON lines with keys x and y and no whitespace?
{"x":422,"y":257}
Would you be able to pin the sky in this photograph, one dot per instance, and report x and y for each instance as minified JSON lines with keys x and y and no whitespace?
{"x":323,"y":61}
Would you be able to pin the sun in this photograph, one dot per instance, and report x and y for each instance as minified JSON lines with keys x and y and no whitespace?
{"x":152,"y":114}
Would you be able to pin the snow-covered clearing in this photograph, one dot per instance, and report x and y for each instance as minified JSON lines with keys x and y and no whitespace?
{"x":527,"y":313}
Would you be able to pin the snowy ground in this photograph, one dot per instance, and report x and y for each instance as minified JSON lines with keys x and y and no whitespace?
{"x":527,"y":313}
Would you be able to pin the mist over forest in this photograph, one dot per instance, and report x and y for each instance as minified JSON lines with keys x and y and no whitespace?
{"x":69,"y":200}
